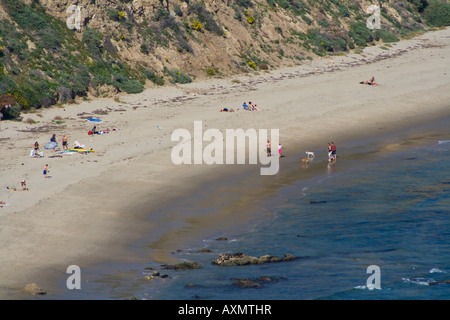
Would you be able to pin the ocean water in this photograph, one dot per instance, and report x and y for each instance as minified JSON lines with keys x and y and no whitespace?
{"x":384,"y":203}
{"x":393,"y":213}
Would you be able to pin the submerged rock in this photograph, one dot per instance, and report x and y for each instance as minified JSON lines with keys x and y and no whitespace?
{"x":241,"y":259}
{"x":252,"y":283}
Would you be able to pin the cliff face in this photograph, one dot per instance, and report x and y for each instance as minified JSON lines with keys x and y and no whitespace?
{"x":230,"y":33}
{"x":127,"y":45}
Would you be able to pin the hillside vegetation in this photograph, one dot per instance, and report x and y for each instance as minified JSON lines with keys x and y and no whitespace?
{"x":126,"y":46}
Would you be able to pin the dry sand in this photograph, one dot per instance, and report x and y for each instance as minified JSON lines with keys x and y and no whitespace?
{"x":94,"y":205}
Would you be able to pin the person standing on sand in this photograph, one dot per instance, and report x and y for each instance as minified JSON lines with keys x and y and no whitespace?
{"x":23,"y":184}
{"x":280,"y":150}
{"x":330,"y":156}
{"x":333,"y":150}
{"x":64,"y":142}
{"x":269,"y":151}
{"x":45,"y":171}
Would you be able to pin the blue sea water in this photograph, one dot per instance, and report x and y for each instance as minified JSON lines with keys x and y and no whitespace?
{"x":392,"y":212}
{"x":384,"y":203}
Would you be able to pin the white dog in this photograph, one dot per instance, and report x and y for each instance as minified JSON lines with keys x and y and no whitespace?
{"x":310,"y":154}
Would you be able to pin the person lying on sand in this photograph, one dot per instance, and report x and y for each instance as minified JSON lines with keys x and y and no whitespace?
{"x":371,"y":82}
{"x":255,"y":107}
{"x":226,"y":110}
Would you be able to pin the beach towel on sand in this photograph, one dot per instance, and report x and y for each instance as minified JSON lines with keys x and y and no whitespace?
{"x":39,"y":153}
{"x":51,"y":145}
{"x":93,"y":119}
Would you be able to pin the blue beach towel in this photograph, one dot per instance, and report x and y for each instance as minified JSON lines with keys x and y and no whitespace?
{"x":94,"y":120}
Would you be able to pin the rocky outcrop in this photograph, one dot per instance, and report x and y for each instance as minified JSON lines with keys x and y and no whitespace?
{"x":182,"y":266}
{"x":241,"y":259}
{"x":34,"y":289}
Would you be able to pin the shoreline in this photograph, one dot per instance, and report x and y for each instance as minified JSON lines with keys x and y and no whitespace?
{"x":129,"y":277}
{"x":130,"y":168}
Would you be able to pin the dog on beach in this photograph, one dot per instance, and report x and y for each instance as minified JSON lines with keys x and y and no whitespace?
{"x":310,"y":154}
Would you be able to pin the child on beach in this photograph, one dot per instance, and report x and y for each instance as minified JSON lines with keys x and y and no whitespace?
{"x":45,"y":171}
{"x":280,"y":150}
{"x":64,"y":142}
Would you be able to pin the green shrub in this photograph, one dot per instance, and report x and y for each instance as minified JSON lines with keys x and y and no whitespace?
{"x":211,"y":71}
{"x":144,"y":49}
{"x":324,"y":23}
{"x":420,"y":5}
{"x":244,"y":3}
{"x":437,"y":13}
{"x":12,"y":112}
{"x":325,"y":42}
{"x":343,"y":11}
{"x":298,"y":7}
{"x":153,"y":77}
{"x":386,"y":36}
{"x":132,"y":86}
{"x":206,"y":18}
{"x":177,"y":10}
{"x":50,"y":39}
{"x":178,"y":77}
{"x":19,"y":47}
{"x":237,"y":12}
{"x":161,"y":14}
{"x":6,"y":84}
{"x":113,"y":14}
{"x":25,"y":16}
{"x":93,"y":42}
{"x":360,"y":34}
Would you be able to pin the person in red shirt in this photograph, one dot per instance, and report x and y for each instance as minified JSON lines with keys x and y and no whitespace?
{"x":333,"y":150}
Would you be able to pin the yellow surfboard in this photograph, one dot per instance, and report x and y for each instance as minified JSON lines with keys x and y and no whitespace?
{"x":81,"y":150}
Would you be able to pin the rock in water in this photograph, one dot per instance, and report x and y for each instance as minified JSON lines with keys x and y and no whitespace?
{"x":34,"y":289}
{"x":240,"y":259}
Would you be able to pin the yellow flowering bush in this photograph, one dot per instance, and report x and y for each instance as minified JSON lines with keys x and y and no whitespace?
{"x":196,"y":25}
{"x":252,"y":65}
{"x":250,"y":19}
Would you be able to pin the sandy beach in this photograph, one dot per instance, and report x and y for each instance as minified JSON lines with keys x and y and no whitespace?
{"x":92,"y":206}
